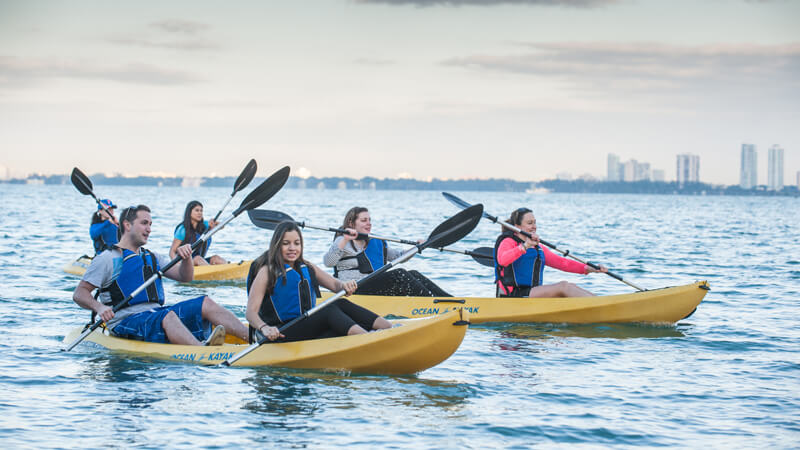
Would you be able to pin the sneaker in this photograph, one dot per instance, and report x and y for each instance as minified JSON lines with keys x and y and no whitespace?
{"x":217,"y":336}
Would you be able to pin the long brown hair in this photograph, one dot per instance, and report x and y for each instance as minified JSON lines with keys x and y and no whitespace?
{"x":273,"y":257}
{"x":350,"y":218}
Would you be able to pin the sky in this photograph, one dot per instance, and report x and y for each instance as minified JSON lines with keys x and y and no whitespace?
{"x":386,"y":88}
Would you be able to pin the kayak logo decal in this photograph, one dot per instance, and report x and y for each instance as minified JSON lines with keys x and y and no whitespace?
{"x":434,"y":311}
{"x":215,"y":356}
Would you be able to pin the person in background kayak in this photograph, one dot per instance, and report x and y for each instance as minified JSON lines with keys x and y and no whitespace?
{"x":282,"y":286}
{"x":104,"y":227}
{"x":353,"y":258}
{"x":190,"y":230}
{"x":119,"y":271}
{"x":519,"y":263}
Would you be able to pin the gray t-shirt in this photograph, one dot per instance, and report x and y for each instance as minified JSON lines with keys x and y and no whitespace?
{"x":348,"y":268}
{"x":104,"y":269}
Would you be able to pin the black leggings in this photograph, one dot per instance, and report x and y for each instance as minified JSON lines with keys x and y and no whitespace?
{"x":333,"y":320}
{"x":400,"y":282}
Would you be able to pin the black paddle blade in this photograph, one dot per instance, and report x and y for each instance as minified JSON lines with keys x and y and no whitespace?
{"x":246,"y":176}
{"x":81,"y":182}
{"x":483,"y":256}
{"x":454,"y":228}
{"x":267,"y":219}
{"x":264,"y":191}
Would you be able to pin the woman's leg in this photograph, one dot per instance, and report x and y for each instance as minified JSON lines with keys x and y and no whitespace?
{"x":395,"y":282}
{"x":362,"y":316}
{"x":560,"y":289}
{"x":433,"y":288}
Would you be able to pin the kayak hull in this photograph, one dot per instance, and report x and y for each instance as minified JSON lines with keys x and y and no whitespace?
{"x":414,"y":346}
{"x":667,"y":305}
{"x":218,"y":272}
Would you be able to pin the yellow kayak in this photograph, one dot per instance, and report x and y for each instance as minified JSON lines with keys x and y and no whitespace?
{"x":414,"y":346}
{"x":667,"y":305}
{"x":219,"y":272}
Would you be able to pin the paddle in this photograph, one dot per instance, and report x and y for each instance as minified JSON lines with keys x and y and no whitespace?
{"x":84,"y":186}
{"x":448,"y":232}
{"x":244,"y":179}
{"x":462,"y":204}
{"x":256,"y":198}
{"x":268,"y":219}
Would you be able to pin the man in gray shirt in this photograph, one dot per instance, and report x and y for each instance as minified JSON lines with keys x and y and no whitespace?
{"x":118,"y":272}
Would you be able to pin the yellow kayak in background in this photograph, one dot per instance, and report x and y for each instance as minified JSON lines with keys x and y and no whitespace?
{"x":411,"y":347}
{"x":219,"y":272}
{"x":666,"y":305}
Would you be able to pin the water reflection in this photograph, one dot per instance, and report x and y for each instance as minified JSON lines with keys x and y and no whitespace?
{"x":541,"y":331}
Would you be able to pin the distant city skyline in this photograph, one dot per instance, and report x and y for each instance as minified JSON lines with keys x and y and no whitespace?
{"x":455,"y":89}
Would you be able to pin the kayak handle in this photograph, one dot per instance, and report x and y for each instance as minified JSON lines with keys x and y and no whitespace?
{"x":442,"y":300}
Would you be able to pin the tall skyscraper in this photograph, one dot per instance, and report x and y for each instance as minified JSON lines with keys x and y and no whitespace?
{"x":614,"y":171}
{"x":775,"y":169}
{"x":748,"y":175}
{"x":688,"y":169}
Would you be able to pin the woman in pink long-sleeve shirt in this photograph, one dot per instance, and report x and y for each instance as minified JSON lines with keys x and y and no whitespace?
{"x":519,"y":267}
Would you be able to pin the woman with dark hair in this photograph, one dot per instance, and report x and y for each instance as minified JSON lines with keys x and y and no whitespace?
{"x":104,"y":227}
{"x":353,"y":258}
{"x":519,"y":263}
{"x":282,"y":286}
{"x":190,"y":230}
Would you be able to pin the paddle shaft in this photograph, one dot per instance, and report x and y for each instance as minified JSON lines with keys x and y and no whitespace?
{"x":364,"y":236}
{"x":147,"y":283}
{"x":402,"y":258}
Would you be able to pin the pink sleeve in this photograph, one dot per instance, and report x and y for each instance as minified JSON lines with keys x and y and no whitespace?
{"x":508,"y":252}
{"x":559,"y":262}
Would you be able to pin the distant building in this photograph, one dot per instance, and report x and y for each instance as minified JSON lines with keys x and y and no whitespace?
{"x":775,"y":169}
{"x":798,"y":179}
{"x":629,"y":170}
{"x":658,"y":175}
{"x":642,"y":172}
{"x":614,"y":171}
{"x":687,"y":169}
{"x":748,"y":173}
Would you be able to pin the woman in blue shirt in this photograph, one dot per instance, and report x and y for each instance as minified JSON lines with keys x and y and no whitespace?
{"x":190,"y":230}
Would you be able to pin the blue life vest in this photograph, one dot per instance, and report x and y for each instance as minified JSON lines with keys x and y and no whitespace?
{"x":136,"y":269}
{"x":202,"y":249}
{"x":293,"y":295}
{"x":527,"y":271}
{"x":104,"y":236}
{"x":372,"y":258}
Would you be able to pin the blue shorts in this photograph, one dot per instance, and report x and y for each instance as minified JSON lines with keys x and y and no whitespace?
{"x":146,"y":325}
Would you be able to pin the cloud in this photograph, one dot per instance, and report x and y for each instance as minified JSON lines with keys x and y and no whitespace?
{"x":567,"y":3}
{"x":184,"y":45}
{"x":653,"y":69}
{"x":18,"y":71}
{"x":180,"y":26}
{"x":170,"y":34}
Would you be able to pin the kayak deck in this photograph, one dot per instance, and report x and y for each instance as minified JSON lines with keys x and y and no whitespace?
{"x":414,"y":346}
{"x":666,"y":305}
{"x":218,"y":272}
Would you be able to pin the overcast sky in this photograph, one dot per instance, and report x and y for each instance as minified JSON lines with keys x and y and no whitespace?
{"x":446,"y":89}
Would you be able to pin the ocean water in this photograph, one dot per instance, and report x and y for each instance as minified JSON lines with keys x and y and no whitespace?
{"x":728,"y":376}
